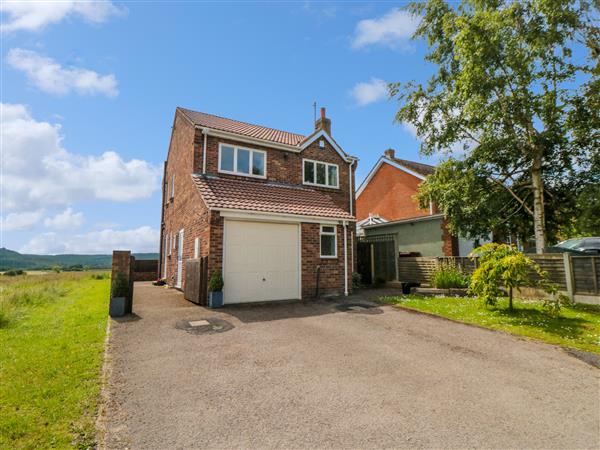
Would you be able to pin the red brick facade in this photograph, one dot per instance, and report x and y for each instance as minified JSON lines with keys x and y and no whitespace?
{"x":390,"y":194}
{"x":187,"y":211}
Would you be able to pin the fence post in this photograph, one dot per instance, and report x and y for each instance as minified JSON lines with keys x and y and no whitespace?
{"x":594,"y":275}
{"x":568,"y":263}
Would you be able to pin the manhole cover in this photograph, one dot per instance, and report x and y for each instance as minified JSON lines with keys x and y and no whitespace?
{"x":204,"y":326}
{"x":360,"y":308}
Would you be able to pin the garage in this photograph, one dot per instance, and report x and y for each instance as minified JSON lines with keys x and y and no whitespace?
{"x":261,"y":261}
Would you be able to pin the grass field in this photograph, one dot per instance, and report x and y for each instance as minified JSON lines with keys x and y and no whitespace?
{"x":52,"y":331}
{"x":577,"y":326}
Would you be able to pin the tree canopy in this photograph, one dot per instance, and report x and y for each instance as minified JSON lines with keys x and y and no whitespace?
{"x":515,"y":104}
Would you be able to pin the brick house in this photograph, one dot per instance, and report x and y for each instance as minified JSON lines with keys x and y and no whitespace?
{"x":385,"y":204}
{"x":267,"y":207}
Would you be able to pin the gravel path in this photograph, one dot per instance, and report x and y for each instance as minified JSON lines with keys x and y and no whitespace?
{"x":309,"y":375}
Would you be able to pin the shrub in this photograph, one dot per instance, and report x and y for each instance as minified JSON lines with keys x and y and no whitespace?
{"x":448,"y":275}
{"x":14,"y":272}
{"x":120,"y":287}
{"x":502,"y":265}
{"x":356,"y":280}
{"x":100,"y":276}
{"x":215,"y":284}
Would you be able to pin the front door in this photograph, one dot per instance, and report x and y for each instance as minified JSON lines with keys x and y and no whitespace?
{"x":179,"y":258}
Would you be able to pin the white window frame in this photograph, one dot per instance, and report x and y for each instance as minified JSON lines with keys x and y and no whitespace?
{"x":196,"y":248}
{"x":327,"y":165}
{"x":170,"y":239}
{"x":236,"y":148}
{"x":327,"y":233}
{"x":173,"y":186}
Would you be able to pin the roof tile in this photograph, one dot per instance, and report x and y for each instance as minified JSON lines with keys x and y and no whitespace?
{"x":243,"y":128}
{"x":266,"y":197}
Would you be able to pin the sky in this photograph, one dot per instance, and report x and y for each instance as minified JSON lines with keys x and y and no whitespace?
{"x":89,"y":90}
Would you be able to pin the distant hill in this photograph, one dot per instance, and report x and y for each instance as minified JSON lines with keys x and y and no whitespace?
{"x":10,"y":259}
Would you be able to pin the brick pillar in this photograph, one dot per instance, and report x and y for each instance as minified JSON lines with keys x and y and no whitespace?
{"x":122,"y":263}
{"x":450,"y":243}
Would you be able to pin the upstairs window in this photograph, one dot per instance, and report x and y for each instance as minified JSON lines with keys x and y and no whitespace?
{"x":318,"y":173}
{"x":173,"y":186}
{"x":328,"y":241}
{"x":242,"y":161}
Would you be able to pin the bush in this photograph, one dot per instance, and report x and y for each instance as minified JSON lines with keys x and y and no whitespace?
{"x":100,"y":276}
{"x":215,"y":284}
{"x":14,"y":272}
{"x":502,"y":265}
{"x":448,"y":275}
{"x":356,"y":280}
{"x":120,"y":287}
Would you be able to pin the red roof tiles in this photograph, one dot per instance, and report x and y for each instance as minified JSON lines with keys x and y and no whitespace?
{"x":420,"y":168}
{"x":242,"y":128}
{"x":266,"y":197}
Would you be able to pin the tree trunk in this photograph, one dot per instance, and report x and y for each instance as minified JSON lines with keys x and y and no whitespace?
{"x":539,"y":219}
{"x":510,"y":298}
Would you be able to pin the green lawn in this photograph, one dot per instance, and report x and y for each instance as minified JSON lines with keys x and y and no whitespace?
{"x":577,"y":326}
{"x":52,"y":331}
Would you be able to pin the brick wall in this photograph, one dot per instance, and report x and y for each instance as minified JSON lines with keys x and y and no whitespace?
{"x":331,"y":277}
{"x":186,"y":210}
{"x":390,"y":195}
{"x":449,"y":242}
{"x":282,"y":166}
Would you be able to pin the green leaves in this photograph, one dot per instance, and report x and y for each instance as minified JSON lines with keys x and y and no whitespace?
{"x":513,"y":92}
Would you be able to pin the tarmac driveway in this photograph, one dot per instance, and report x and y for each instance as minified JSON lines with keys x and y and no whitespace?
{"x":313,"y":375}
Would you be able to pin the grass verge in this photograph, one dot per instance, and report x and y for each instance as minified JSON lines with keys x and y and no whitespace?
{"x":52,"y":331}
{"x":577,"y":326}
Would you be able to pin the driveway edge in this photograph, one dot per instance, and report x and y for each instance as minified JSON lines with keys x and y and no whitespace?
{"x":589,"y":358}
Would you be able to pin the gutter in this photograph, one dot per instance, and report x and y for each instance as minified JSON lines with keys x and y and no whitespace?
{"x":345,"y":258}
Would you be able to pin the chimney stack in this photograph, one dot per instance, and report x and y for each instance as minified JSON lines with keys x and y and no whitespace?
{"x":323,"y":123}
{"x":390,"y":153}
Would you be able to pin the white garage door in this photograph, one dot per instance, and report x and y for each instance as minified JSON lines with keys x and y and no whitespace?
{"x":261,"y":262}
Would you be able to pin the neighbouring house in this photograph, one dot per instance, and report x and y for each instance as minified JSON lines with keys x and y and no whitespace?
{"x":272,"y":210}
{"x":385,"y":205}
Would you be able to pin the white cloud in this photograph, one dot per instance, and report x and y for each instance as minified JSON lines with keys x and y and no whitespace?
{"x":49,"y":76}
{"x":68,"y":219}
{"x":36,"y":15}
{"x":456,"y":149}
{"x":369,"y":92}
{"x":143,"y":239}
{"x":39,"y":172}
{"x":394,"y":30}
{"x":20,"y":221}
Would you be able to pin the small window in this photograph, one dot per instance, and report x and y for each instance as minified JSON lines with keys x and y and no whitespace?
{"x":170,"y":239}
{"x":227,"y":155}
{"x":309,"y":172}
{"x":242,"y":161}
{"x":320,"y":174}
{"x":173,"y":187}
{"x":196,"y":248}
{"x":328,"y":241}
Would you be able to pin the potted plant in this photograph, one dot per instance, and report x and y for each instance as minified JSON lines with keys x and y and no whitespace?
{"x":118,"y":296}
{"x":215,"y":290}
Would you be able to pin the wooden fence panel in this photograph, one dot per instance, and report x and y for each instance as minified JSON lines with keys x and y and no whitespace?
{"x":416,"y":268}
{"x":145,"y":269}
{"x":196,"y":274}
{"x":586,"y":274}
{"x":554,"y":265}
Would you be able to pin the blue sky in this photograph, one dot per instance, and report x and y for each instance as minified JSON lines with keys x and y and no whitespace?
{"x":89,"y":91}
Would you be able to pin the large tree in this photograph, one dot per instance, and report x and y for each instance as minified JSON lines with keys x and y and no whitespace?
{"x":515,"y":94}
